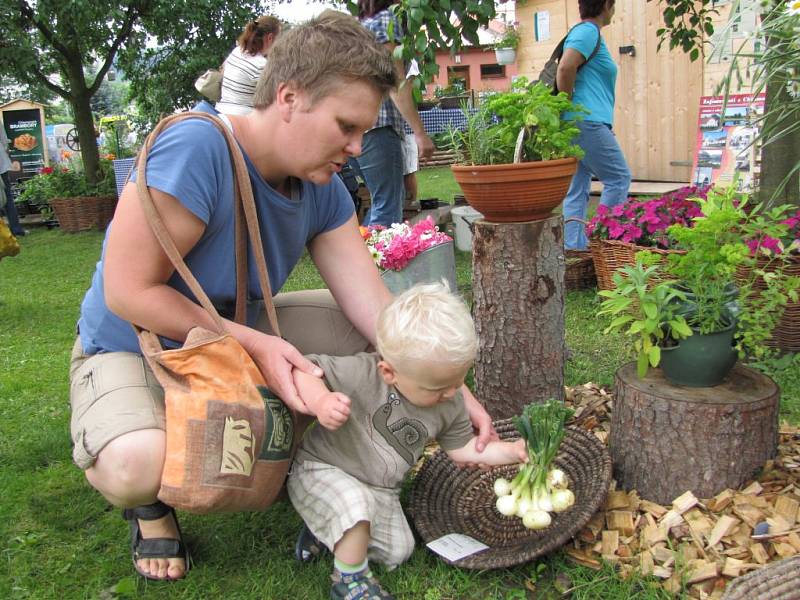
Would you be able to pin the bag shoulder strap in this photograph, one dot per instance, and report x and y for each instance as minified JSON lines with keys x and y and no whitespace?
{"x":245,"y":214}
{"x":558,"y":52}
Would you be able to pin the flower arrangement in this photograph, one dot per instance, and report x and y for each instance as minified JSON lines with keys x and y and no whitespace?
{"x":510,"y":37}
{"x":394,"y":247}
{"x":66,"y":182}
{"x":645,"y":223}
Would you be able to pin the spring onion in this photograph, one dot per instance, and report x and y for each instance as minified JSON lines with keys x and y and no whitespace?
{"x":537,"y":489}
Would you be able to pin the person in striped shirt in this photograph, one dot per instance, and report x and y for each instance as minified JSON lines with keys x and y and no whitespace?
{"x":243,"y":67}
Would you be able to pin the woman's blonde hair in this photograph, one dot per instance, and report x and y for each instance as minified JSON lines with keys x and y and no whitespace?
{"x":427,"y":322}
{"x":251,"y":40}
{"x":322,"y":54}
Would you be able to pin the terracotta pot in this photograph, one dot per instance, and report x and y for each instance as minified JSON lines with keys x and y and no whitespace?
{"x":527,"y":191}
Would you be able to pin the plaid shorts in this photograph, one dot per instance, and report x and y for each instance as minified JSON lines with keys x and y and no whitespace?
{"x":330,"y":502}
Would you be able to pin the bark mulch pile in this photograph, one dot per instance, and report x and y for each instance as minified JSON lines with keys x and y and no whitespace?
{"x":701,"y":542}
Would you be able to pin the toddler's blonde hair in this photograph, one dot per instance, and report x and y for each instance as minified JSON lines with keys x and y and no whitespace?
{"x":427,"y":322}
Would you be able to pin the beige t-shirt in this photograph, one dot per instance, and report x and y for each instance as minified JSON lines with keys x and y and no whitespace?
{"x":385,"y":434}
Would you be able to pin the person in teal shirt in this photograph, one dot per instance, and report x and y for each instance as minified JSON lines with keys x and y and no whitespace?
{"x":590,"y":81}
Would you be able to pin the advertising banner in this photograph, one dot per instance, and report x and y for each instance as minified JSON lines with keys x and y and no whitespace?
{"x":725,"y":150}
{"x":25,"y":130}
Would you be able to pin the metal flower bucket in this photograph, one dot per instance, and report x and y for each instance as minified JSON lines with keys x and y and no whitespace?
{"x":429,"y":266}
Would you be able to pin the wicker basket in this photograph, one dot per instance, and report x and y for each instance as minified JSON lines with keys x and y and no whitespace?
{"x":579,"y":273}
{"x":81,"y":213}
{"x":610,"y":255}
{"x":447,"y":499}
{"x":786,"y":335}
{"x":777,"y":581}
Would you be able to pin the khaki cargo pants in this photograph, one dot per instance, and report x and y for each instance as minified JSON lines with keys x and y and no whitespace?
{"x":114,"y":393}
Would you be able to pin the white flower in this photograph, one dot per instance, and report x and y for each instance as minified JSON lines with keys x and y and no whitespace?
{"x":793,"y":7}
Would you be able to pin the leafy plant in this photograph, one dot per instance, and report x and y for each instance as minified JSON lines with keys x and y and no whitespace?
{"x":66,"y":182}
{"x":534,"y":107}
{"x":718,"y":256}
{"x":643,"y":307}
{"x":510,"y":37}
{"x":490,"y":136}
{"x":478,"y":143}
{"x":456,"y":88}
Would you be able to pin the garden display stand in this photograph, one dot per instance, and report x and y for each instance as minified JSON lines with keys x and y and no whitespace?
{"x":518,"y":297}
{"x":518,"y":306}
{"x":666,"y":439}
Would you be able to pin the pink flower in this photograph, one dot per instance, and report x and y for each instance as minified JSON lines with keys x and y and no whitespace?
{"x":395,"y":247}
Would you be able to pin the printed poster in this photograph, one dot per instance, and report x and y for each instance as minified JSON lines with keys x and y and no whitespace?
{"x":24,"y":129}
{"x":725,"y":150}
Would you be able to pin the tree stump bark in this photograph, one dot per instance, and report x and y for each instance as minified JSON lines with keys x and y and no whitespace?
{"x":667,"y":439}
{"x":518,"y":305}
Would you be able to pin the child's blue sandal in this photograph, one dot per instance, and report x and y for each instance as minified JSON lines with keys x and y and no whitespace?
{"x":357,"y":586}
{"x":308,"y":547}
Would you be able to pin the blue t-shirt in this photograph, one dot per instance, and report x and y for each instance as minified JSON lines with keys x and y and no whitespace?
{"x":190,"y":161}
{"x":596,"y":79}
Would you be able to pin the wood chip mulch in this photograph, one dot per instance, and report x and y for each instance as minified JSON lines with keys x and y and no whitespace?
{"x":704,"y":542}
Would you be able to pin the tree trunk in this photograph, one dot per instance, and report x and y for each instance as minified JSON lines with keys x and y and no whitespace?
{"x":518,"y":294}
{"x":667,"y":439}
{"x":780,"y":156}
{"x":84,"y":122}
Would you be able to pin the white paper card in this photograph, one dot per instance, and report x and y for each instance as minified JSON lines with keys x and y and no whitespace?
{"x":455,"y":546}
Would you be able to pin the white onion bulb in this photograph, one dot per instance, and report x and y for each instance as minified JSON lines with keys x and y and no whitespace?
{"x":502,"y":487}
{"x":536,"y":519}
{"x":507,"y":505}
{"x":562,"y":500}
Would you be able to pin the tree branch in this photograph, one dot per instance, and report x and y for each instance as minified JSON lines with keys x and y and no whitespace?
{"x":133,"y":14}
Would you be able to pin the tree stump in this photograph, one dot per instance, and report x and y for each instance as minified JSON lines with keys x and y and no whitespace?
{"x":518,"y":305}
{"x":666,"y":439}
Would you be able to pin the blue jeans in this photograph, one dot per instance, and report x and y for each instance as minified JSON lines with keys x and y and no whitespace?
{"x":604,"y":160}
{"x":381,"y":166}
{"x":11,"y":207}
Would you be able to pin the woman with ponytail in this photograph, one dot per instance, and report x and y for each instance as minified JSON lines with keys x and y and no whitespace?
{"x":243,"y":67}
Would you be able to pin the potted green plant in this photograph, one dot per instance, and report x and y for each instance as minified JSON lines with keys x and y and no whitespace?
{"x":452,"y":95}
{"x":720,"y":256}
{"x":515,"y":156}
{"x":77,"y":204}
{"x":642,"y":306}
{"x":729,"y":303}
{"x":505,"y":48}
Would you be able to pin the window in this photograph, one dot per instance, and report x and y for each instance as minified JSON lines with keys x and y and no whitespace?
{"x":492,"y":71}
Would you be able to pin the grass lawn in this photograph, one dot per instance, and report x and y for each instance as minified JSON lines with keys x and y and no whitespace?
{"x":60,"y":539}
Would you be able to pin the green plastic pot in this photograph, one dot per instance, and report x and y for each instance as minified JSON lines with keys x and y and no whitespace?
{"x":701,"y":360}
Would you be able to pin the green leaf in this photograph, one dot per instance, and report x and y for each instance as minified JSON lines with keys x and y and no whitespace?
{"x":655,"y":356}
{"x":650,"y":309}
{"x":620,"y":321}
{"x":642,"y":364}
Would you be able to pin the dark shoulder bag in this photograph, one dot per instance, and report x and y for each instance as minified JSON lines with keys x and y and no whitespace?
{"x":547,"y":75}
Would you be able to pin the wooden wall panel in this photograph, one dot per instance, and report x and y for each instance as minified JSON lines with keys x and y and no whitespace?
{"x":657,"y":93}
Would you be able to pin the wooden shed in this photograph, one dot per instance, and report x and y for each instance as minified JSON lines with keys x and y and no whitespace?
{"x":658,"y":92}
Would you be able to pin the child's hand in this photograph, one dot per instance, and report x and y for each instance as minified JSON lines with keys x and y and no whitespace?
{"x":333,"y":410}
{"x":519,"y":451}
